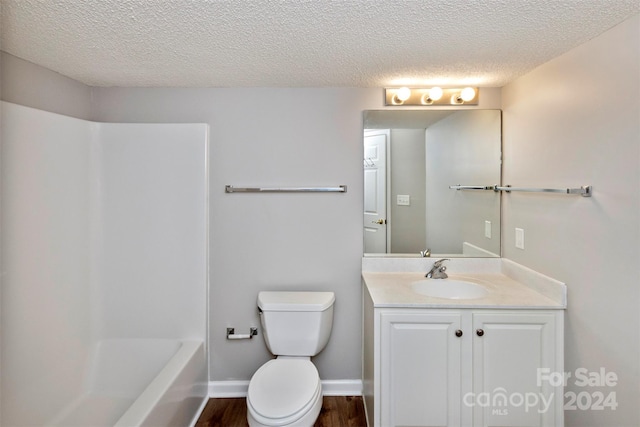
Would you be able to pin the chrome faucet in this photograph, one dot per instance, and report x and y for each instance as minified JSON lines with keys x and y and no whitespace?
{"x":438,"y":270}
{"x":426,"y":253}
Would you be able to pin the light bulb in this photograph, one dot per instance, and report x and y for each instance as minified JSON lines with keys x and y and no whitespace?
{"x":403,"y":93}
{"x":467,"y":94}
{"x":435,"y":93}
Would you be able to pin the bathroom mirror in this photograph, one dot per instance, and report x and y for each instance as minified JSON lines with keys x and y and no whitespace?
{"x":411,"y":158}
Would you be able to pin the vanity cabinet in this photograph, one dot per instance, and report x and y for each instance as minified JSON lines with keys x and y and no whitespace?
{"x":462,"y":367}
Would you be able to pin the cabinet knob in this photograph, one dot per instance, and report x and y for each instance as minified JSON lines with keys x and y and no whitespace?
{"x":479,"y":332}
{"x":458,"y":333}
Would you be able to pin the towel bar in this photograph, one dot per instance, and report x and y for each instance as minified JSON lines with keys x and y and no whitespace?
{"x":232,"y":189}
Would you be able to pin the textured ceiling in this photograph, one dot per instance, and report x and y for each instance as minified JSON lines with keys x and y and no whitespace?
{"x":295,"y":43}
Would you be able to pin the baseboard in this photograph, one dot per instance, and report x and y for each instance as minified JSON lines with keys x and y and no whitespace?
{"x":228,"y":388}
{"x":219,"y":389}
{"x":342,"y":387}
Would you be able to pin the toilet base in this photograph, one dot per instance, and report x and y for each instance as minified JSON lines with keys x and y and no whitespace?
{"x":306,"y":421}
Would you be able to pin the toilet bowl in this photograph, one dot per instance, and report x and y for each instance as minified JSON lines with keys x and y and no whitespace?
{"x":286,"y":391}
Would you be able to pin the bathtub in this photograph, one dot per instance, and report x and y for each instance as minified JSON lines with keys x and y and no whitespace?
{"x":140,"y":382}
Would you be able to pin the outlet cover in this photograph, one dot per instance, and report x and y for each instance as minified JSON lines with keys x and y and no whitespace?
{"x":519,"y":238}
{"x":403,"y":200}
{"x":487,"y":229}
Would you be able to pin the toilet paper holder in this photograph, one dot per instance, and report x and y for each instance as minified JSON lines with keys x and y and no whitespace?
{"x":231,"y":334}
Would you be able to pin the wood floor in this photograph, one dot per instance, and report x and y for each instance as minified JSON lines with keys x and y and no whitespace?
{"x":337,"y":411}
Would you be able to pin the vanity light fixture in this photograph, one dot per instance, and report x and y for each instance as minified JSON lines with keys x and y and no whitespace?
{"x":405,"y":96}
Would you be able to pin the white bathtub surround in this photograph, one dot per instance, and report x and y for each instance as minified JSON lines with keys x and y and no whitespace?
{"x":140,"y":383}
{"x":175,"y":396}
{"x":104,"y":253}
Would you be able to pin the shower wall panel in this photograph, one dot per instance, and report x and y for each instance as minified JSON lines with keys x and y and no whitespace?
{"x":152,"y":230}
{"x":46,"y":250}
{"x":104,"y":235}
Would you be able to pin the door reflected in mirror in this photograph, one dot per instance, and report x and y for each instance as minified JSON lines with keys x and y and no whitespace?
{"x":411,"y":158}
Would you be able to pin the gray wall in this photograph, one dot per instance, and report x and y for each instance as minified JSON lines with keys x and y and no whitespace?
{"x":33,"y":86}
{"x":573,"y":121}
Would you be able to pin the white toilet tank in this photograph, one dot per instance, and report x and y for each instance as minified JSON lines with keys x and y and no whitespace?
{"x":296,"y":323}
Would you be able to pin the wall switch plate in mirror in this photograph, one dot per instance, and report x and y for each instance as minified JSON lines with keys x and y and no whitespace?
{"x":403,"y":200}
{"x":519,"y":238}
{"x":487,"y":229}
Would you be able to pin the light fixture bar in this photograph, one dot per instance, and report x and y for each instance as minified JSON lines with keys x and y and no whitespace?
{"x":430,"y":96}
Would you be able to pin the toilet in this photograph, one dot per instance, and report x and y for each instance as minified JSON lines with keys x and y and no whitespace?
{"x":286,"y":391}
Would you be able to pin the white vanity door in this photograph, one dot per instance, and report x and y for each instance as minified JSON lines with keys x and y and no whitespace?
{"x":420,"y":370}
{"x":509,"y":347}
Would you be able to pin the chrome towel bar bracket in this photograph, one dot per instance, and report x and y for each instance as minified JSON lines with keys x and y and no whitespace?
{"x":472,"y":187}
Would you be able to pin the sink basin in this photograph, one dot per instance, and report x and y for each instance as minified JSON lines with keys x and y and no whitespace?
{"x":449,"y":288}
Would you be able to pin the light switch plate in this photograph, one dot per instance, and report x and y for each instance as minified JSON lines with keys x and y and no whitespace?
{"x":519,"y":238}
{"x":403,"y":200}
{"x":487,"y":229}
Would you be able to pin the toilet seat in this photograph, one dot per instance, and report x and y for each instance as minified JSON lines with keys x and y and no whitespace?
{"x":283,"y":391}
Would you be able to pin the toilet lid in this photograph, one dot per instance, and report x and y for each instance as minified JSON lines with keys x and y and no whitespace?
{"x":283,"y":387}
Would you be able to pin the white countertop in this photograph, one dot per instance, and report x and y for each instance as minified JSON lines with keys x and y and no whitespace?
{"x":510,"y":286}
